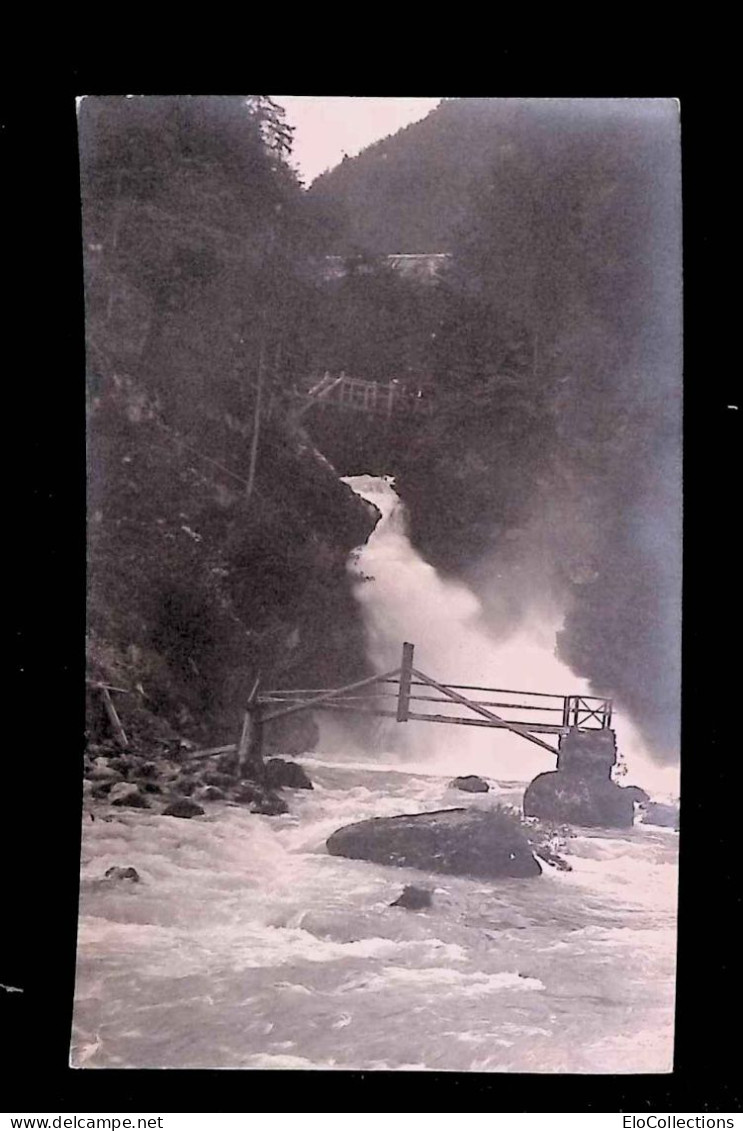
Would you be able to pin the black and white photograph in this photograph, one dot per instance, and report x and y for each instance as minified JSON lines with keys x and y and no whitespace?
{"x":384,"y":564}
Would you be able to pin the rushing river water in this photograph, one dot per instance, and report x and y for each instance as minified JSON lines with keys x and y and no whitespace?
{"x":244,"y":944}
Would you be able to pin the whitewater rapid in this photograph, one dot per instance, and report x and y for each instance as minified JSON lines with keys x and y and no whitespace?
{"x":246,"y":945}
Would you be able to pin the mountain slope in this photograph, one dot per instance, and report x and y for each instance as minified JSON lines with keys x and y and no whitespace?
{"x":408,"y":192}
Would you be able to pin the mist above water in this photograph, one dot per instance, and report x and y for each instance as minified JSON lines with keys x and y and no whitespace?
{"x":404,"y":598}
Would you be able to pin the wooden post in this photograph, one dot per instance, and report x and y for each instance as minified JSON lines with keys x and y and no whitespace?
{"x":566,"y":711}
{"x":250,"y":744}
{"x":406,"y":673}
{"x":257,"y":416}
{"x":113,"y":717}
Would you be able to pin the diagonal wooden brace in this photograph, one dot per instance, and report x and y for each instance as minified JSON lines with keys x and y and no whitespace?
{"x":483,"y":711}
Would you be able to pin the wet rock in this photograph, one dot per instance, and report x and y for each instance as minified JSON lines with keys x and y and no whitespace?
{"x":470,"y":783}
{"x":413,"y":898}
{"x":486,"y":844}
{"x":592,"y":802}
{"x":122,"y":766}
{"x":270,"y":805}
{"x":118,"y":873}
{"x":185,"y":786}
{"x":167,"y":770}
{"x":183,"y":807}
{"x":147,"y":770}
{"x":128,"y":794}
{"x":222,"y":781}
{"x":210,"y":793}
{"x":101,"y":792}
{"x":260,"y":798}
{"x":103,"y":772}
{"x":150,"y":787}
{"x":98,"y":748}
{"x":282,"y":774}
{"x":247,"y":792}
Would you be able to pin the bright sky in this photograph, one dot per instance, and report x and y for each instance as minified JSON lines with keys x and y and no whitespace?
{"x":327,"y":128}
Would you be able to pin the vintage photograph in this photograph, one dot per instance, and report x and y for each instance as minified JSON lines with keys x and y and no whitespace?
{"x":382,"y":735}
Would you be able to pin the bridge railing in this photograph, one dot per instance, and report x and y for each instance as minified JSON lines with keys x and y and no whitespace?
{"x":537,"y":712}
{"x":528,"y":713}
{"x":359,"y":395}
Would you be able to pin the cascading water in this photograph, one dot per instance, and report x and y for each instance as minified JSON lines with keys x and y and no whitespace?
{"x":404,"y":598}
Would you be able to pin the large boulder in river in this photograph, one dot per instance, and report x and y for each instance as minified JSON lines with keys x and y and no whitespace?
{"x":574,"y":800}
{"x":470,"y":783}
{"x":486,"y":844}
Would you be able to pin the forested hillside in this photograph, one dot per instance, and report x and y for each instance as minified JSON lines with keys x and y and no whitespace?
{"x":209,"y":562}
{"x":407,"y":193}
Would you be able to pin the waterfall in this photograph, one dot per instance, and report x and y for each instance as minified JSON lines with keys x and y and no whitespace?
{"x":403,"y":597}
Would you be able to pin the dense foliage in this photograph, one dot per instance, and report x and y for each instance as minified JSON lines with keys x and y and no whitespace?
{"x":199,"y":279}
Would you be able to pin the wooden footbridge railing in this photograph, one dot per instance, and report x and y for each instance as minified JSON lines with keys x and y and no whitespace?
{"x":530,"y":714}
{"x":357,"y":395}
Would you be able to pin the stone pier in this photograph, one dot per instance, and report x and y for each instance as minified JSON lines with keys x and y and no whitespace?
{"x":580,"y":791}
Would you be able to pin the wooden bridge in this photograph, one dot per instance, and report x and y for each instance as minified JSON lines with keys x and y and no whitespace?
{"x":353,"y":394}
{"x":530,"y":714}
{"x":536,"y":712}
{"x":393,"y":694}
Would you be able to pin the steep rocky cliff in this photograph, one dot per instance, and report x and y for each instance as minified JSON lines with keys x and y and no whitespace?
{"x":194,"y":590}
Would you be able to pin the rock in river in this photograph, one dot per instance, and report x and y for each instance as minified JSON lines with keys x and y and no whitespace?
{"x":119,"y":873}
{"x":280,"y":773}
{"x":487,"y":844}
{"x":470,"y":783}
{"x":127,"y":794}
{"x":566,"y":797}
{"x":413,"y":898}
{"x":183,"y":807}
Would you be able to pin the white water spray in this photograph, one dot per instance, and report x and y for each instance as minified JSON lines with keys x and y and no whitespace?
{"x":404,"y":598}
